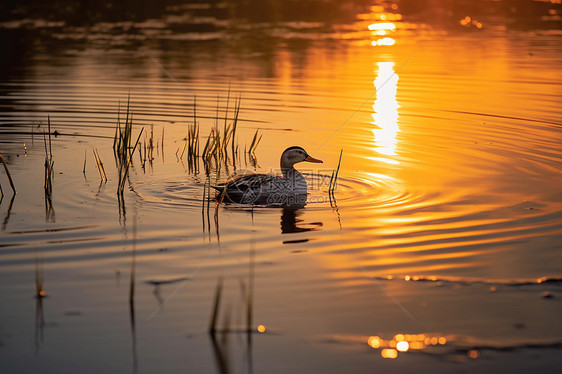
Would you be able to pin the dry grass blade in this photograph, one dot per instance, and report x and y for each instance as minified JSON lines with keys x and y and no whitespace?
{"x":123,"y":135}
{"x":183,"y":148}
{"x":192,"y":143}
{"x":203,"y":204}
{"x":124,"y":166}
{"x":84,"y":169}
{"x":235,"y":125}
{"x":255,"y":142}
{"x":117,"y":125}
{"x":331,"y":187}
{"x":7,"y":175}
{"x":334,"y":179}
{"x":195,"y":132}
{"x":221,"y":142}
{"x":49,"y":163}
{"x":208,"y":146}
{"x":49,"y":128}
{"x":99,"y":165}
{"x":337,"y":171}
{"x":151,"y":142}
{"x":122,"y":148}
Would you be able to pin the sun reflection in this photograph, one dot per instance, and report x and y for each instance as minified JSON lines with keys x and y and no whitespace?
{"x":374,"y":341}
{"x":402,"y":343}
{"x":474,"y":354}
{"x":382,"y":22}
{"x":470,"y":22}
{"x":383,"y":41}
{"x":385,"y":114}
{"x":389,"y":353}
{"x":402,"y":346}
{"x":382,"y":26}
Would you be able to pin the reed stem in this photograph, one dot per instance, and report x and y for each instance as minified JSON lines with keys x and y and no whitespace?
{"x":8,"y":174}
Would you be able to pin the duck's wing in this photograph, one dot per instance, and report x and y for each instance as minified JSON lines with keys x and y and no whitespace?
{"x":252,"y":182}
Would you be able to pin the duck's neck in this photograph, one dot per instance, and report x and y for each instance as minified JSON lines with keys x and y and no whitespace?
{"x":286,"y":165}
{"x":288,"y":169}
{"x":294,"y":180}
{"x":289,"y":172}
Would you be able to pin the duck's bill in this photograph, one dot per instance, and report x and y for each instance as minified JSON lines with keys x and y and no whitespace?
{"x":312,"y":159}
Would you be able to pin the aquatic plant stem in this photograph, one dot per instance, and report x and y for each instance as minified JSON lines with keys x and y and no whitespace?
{"x":7,"y":175}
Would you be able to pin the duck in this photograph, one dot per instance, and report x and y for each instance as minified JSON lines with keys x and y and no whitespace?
{"x":259,"y":188}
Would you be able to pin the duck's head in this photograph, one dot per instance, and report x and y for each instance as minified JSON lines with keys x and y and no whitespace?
{"x":295,"y":154}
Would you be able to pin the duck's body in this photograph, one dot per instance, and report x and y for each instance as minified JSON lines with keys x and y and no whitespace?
{"x":252,"y":188}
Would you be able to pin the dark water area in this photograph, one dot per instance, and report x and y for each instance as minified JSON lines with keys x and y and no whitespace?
{"x":438,"y":250}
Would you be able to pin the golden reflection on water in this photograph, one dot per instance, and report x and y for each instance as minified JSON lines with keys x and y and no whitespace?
{"x":382,"y":26}
{"x":473,"y":354}
{"x":403,"y":343}
{"x":385,"y":113}
{"x":389,"y":353}
{"x":469,"y":22}
{"x":383,"y":41}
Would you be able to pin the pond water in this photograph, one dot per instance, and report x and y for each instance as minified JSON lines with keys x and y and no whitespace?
{"x":438,"y":251}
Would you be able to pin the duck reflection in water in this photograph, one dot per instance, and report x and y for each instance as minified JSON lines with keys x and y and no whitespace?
{"x":290,"y":223}
{"x":291,"y":208}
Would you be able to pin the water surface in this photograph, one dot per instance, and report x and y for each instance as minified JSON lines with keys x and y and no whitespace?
{"x":444,"y":229}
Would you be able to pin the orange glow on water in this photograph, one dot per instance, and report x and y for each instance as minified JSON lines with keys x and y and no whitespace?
{"x":417,"y":345}
{"x":374,"y":342}
{"x":389,"y":353}
{"x":470,"y":22}
{"x":385,"y":110}
{"x":404,"y":343}
{"x":382,"y":26}
{"x":474,"y":354}
{"x":261,"y":328}
{"x":402,"y":346}
{"x":383,"y":42}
